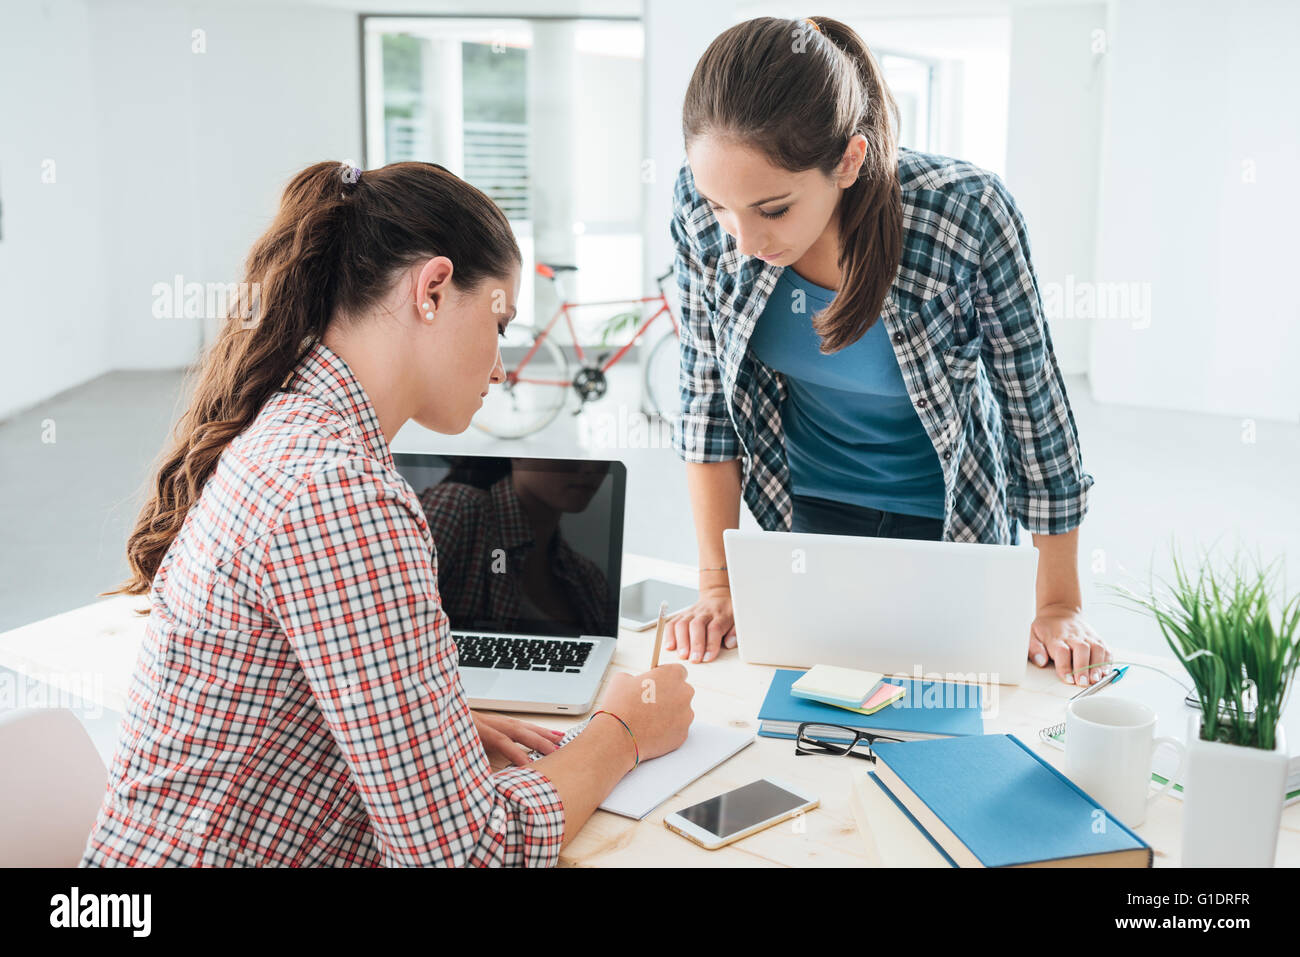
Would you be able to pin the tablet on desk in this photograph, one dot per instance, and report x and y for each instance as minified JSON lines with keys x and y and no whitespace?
{"x":639,"y":602}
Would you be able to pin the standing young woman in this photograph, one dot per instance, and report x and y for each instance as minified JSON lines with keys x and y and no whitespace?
{"x":296,"y":700}
{"x":863,"y":349}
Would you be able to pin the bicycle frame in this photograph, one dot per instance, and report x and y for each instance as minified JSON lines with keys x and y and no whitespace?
{"x":564,"y":309}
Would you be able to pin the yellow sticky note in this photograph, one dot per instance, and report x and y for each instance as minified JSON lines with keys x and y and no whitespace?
{"x":847,"y":687}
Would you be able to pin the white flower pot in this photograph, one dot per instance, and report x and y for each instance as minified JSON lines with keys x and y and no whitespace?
{"x":1232,"y":801}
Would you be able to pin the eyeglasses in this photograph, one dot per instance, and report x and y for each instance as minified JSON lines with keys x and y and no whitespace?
{"x":835,"y":739}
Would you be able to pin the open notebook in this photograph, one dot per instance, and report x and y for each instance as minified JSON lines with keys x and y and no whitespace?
{"x":652,"y":782}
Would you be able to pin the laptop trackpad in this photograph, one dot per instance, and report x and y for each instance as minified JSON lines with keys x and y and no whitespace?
{"x":478,"y":682}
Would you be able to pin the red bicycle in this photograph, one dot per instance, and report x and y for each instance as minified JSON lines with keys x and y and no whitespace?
{"x":538,"y":378}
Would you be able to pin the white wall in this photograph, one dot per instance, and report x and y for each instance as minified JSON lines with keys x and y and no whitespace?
{"x":200,"y":145}
{"x":670,"y":57}
{"x":1202,"y":98}
{"x":606,"y":169}
{"x":54,"y":309}
{"x":1053,"y":149}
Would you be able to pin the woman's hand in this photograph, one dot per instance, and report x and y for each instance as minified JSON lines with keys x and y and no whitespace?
{"x":503,"y":736}
{"x":656,"y":706}
{"x":1063,"y":635}
{"x":703,"y":629}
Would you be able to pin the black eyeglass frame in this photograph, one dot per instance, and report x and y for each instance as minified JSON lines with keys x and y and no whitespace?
{"x":837,"y":748}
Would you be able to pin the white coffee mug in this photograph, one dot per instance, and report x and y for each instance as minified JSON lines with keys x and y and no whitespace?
{"x":1110,"y":743}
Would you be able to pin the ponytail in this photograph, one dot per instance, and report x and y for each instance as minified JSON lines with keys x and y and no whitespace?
{"x":871,"y":210}
{"x":336,"y":245}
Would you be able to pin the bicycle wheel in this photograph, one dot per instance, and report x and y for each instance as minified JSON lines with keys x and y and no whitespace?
{"x":662,"y":377}
{"x":531,"y":397}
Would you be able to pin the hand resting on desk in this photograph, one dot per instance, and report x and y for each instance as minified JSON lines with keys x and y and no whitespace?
{"x":508,"y":739}
{"x":1058,"y":636}
{"x":1061,"y":634}
{"x":703,"y":629}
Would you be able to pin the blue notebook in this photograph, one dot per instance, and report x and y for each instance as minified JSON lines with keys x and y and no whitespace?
{"x":989,"y":801}
{"x":929,"y":709}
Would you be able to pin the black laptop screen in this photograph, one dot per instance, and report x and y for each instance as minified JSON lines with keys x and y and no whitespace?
{"x":524,"y":546}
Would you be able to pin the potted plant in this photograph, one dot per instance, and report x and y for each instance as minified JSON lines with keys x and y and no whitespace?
{"x":1239,"y":639}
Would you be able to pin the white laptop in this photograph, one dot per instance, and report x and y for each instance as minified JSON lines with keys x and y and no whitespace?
{"x":530,"y":554}
{"x":954,"y":610}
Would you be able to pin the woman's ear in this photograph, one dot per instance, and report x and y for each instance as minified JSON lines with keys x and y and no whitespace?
{"x":851,"y":164}
{"x":432,"y":285}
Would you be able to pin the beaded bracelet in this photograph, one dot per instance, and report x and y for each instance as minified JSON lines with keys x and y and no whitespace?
{"x":635,"y":747}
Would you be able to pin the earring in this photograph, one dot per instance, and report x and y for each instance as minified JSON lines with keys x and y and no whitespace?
{"x":428,"y":313}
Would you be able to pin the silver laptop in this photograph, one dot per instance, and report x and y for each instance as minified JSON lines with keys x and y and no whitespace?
{"x":529,"y":555}
{"x":952,"y":610}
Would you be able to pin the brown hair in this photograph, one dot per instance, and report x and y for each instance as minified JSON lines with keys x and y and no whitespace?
{"x":335,"y":248}
{"x":797,"y":94}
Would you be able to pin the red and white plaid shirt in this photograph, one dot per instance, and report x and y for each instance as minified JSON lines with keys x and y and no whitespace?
{"x":296,"y":701}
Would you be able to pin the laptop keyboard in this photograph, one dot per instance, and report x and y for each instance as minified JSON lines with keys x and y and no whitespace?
{"x":523,"y":654}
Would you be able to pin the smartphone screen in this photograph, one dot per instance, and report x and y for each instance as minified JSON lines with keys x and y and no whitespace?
{"x":744,"y":807}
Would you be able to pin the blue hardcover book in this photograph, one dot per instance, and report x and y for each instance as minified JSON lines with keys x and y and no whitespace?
{"x":990,"y":801}
{"x":908,"y":814}
{"x":930,"y":709}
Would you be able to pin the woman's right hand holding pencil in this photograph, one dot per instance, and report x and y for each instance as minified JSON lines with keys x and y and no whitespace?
{"x":656,"y":705}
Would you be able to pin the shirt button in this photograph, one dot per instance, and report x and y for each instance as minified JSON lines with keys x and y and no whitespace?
{"x":898,"y":337}
{"x":921,"y":403}
{"x":947,"y":454}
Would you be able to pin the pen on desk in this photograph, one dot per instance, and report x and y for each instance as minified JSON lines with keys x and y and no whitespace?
{"x":1112,"y":677}
{"x":659,"y":635}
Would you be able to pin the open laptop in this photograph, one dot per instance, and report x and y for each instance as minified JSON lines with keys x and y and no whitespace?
{"x":954,"y":610}
{"x":529,"y":555}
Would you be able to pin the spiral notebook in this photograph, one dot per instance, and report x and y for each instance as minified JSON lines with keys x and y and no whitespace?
{"x":653,"y":782}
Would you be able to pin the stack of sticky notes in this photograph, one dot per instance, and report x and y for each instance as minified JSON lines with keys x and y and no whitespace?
{"x":862,"y":691}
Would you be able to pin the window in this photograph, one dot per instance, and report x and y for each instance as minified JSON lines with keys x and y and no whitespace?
{"x":544,"y":116}
{"x":911,"y":80}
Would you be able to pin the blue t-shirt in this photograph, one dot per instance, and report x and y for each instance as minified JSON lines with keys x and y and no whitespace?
{"x":851,"y":432}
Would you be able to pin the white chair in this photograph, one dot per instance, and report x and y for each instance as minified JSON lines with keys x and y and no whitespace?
{"x":52,"y":783}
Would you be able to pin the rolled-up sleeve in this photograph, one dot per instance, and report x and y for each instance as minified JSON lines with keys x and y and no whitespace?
{"x":1047,"y":488}
{"x":351,"y":580}
{"x":704,"y":431}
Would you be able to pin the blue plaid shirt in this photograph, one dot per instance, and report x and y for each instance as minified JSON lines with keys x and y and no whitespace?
{"x":966,"y":321}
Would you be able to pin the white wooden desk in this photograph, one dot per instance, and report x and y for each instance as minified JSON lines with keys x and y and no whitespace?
{"x":100,"y":641}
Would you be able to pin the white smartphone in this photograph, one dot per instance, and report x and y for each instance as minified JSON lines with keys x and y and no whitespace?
{"x":639,"y":602}
{"x":746,"y":810}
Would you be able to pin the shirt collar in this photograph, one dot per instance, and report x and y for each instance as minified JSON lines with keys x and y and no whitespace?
{"x":324,"y":375}
{"x":730,"y":260}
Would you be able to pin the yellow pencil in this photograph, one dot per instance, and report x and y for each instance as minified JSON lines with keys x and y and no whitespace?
{"x":659,"y":635}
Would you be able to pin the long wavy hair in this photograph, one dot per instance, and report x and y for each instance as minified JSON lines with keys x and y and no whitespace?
{"x":334,"y":250}
{"x":796,"y":95}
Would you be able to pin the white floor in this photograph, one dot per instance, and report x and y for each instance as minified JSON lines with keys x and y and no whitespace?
{"x":67,"y":507}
